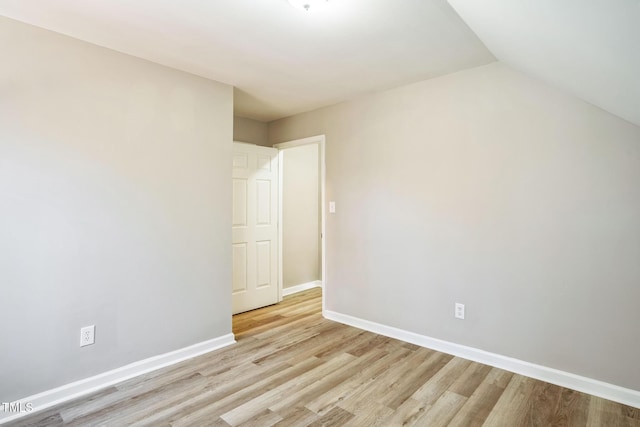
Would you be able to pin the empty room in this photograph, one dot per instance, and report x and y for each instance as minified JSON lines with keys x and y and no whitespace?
{"x":320,"y":213}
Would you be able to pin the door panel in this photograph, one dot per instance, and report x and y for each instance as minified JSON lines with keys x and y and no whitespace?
{"x":263,"y":188}
{"x":240,"y":160}
{"x":263,"y":252}
{"x":255,"y":229}
{"x":240,"y":202}
{"x":264,"y":162}
{"x":239,"y":267}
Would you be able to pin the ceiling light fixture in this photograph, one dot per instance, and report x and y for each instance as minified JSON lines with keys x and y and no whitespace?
{"x":308,"y":5}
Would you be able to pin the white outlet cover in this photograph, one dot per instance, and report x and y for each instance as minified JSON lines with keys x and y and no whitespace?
{"x":87,"y":335}
{"x":459,"y":311}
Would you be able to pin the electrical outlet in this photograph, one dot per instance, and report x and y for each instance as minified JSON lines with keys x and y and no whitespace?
{"x":459,"y":311}
{"x":87,"y":335}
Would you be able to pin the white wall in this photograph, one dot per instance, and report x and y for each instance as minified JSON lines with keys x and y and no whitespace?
{"x":115,"y":209}
{"x":301,"y":215}
{"x":251,"y":131}
{"x":492,"y":189}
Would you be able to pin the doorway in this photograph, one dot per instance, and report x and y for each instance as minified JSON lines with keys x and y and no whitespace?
{"x":301,"y":215}
{"x":278,"y":221}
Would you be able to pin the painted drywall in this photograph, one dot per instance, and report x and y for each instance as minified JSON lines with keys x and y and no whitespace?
{"x":115,"y":209}
{"x":488,"y":188}
{"x":587,"y":47}
{"x":300,"y":215}
{"x":251,"y":131}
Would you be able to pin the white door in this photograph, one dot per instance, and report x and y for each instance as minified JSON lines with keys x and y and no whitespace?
{"x":255,"y":227}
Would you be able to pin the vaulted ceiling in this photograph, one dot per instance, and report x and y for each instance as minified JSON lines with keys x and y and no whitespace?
{"x":283,"y":61}
{"x":590,"y":48}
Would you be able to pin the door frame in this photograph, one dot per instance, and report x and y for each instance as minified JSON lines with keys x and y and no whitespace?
{"x":320,"y":141}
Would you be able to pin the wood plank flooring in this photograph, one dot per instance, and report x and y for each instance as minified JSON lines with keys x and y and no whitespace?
{"x":291,"y":367}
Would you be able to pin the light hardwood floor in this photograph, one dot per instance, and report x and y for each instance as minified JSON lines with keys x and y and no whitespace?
{"x":291,"y":367}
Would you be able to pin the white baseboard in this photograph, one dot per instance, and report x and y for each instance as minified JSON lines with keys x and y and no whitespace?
{"x":303,"y":287}
{"x":564,"y":379}
{"x":85,"y":386}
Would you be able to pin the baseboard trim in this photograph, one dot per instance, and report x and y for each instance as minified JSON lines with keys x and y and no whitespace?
{"x":564,"y":379}
{"x":303,"y":287}
{"x":85,"y":386}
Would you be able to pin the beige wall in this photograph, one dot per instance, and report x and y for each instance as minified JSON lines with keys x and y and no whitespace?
{"x":488,"y":188}
{"x":115,"y":209}
{"x":251,"y":131}
{"x":301,"y":215}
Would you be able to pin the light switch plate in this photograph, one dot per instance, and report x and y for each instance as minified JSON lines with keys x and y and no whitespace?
{"x":332,"y":207}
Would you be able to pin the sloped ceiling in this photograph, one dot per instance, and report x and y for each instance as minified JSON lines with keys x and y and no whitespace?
{"x":281,"y":60}
{"x":590,"y":48}
{"x":284,"y":61}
